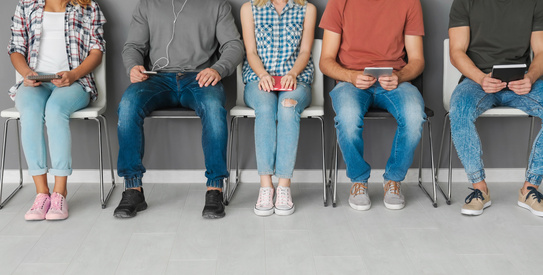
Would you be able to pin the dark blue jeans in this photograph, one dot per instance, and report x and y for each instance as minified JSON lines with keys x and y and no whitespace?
{"x":171,"y":90}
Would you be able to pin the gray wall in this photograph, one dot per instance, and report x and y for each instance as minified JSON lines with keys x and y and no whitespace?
{"x":176,"y":144}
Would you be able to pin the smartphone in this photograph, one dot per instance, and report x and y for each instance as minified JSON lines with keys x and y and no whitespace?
{"x":378,"y":71}
{"x":149,"y":72}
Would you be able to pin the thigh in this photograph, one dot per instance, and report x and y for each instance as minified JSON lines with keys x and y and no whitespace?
{"x":302,"y":96}
{"x":469,"y":98}
{"x":256,"y":98}
{"x":32,"y":98}
{"x":200,"y":98}
{"x":67,"y":100}
{"x":155,"y":93}
{"x":405,"y":100}
{"x":531,"y":103}
{"x":348,"y":101}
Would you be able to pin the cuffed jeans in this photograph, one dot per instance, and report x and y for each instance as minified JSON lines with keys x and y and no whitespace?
{"x":405,"y":103}
{"x":468,"y":102}
{"x":166,"y":90}
{"x":52,"y":105}
{"x":277,"y":127}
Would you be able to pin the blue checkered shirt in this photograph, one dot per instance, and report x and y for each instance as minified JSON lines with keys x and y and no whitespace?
{"x":83,"y":33}
{"x":278,"y":40}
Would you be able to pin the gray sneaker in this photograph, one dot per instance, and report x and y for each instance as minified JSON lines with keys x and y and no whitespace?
{"x":359,"y":198}
{"x":393,"y":199}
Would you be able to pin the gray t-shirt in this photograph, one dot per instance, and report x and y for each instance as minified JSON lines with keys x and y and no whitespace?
{"x":203,"y":29}
{"x":500,"y":30}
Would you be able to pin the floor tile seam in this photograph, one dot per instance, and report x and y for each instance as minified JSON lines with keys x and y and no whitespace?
{"x":27,"y":253}
{"x":124,"y":253}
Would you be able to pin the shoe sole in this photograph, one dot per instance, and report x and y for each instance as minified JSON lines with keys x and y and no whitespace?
{"x":34,"y":219}
{"x":360,"y":207}
{"x":263,"y":213}
{"x":535,"y":212}
{"x":394,"y":206}
{"x":213,"y":215}
{"x":470,"y":212}
{"x":56,"y":218}
{"x":286,"y":212}
{"x":124,"y":215}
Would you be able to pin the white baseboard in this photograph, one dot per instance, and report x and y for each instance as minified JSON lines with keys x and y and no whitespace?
{"x":251,"y":175}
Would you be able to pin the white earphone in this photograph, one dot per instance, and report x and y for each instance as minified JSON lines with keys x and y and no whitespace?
{"x":176,"y":15}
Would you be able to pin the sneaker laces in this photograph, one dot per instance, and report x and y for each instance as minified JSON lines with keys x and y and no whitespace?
{"x":213,"y":198}
{"x":57,"y":204}
{"x":393,"y":187}
{"x":283,"y":195}
{"x":476,"y":194}
{"x":359,"y":189}
{"x":536,"y":194}
{"x":264,"y":197}
{"x":38,"y":203}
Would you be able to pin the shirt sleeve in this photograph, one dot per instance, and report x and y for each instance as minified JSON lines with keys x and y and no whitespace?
{"x":332,"y":18}
{"x":97,"y":41}
{"x":538,"y":17}
{"x":459,"y":15}
{"x":231,"y":47}
{"x":18,"y":43}
{"x":137,"y":43}
{"x":415,"y":22}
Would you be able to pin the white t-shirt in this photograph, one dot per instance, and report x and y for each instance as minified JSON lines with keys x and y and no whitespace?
{"x":52,"y":56}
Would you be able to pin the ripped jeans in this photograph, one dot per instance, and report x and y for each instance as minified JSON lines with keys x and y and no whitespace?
{"x":277,"y":126}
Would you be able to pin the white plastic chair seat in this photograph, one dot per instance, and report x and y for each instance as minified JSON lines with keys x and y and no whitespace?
{"x":93,"y":111}
{"x":504,"y":112}
{"x":245,"y":111}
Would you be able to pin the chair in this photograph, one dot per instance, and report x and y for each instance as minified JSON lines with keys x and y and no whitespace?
{"x":376,"y":113}
{"x":451,"y":75}
{"x":94,"y":111}
{"x":314,"y":111}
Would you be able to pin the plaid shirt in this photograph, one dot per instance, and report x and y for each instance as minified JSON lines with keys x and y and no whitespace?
{"x":83,"y":33}
{"x":278,"y":40}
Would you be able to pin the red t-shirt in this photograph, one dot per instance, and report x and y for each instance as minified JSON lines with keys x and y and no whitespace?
{"x":372,"y":31}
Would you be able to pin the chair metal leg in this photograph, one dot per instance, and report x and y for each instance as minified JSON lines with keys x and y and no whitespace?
{"x":229,"y":161}
{"x":106,"y":199}
{"x":334,"y":188}
{"x":434,"y":197}
{"x":6,"y":125}
{"x":532,"y":121}
{"x":235,"y":128}
{"x":449,"y":181}
{"x":325,"y":189}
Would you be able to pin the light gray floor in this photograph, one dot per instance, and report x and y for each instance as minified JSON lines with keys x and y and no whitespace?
{"x":170,"y":237}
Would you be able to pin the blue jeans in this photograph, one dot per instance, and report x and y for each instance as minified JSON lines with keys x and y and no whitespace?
{"x":405,"y":103}
{"x":468,"y":102}
{"x":166,"y":90}
{"x":277,"y":127}
{"x":52,"y":105}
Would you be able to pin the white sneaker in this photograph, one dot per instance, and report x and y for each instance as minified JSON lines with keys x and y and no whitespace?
{"x":283,"y":201}
{"x":393,"y":198}
{"x":359,"y":198}
{"x":264,"y":204}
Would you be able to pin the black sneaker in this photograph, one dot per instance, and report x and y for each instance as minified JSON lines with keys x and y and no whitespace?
{"x":131,"y":202}
{"x":214,"y":207}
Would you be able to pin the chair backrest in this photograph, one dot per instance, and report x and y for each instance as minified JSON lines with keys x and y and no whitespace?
{"x":99,"y":79}
{"x":451,"y":75}
{"x":317,"y":86}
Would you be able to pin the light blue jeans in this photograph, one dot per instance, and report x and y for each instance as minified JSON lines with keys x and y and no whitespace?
{"x":277,"y":127}
{"x":52,"y":105}
{"x":405,"y":103}
{"x":468,"y":102}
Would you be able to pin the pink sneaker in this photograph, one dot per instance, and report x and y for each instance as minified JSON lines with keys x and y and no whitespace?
{"x":39,"y":208}
{"x":59,"y":208}
{"x":264,"y":205}
{"x":283,"y":201}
